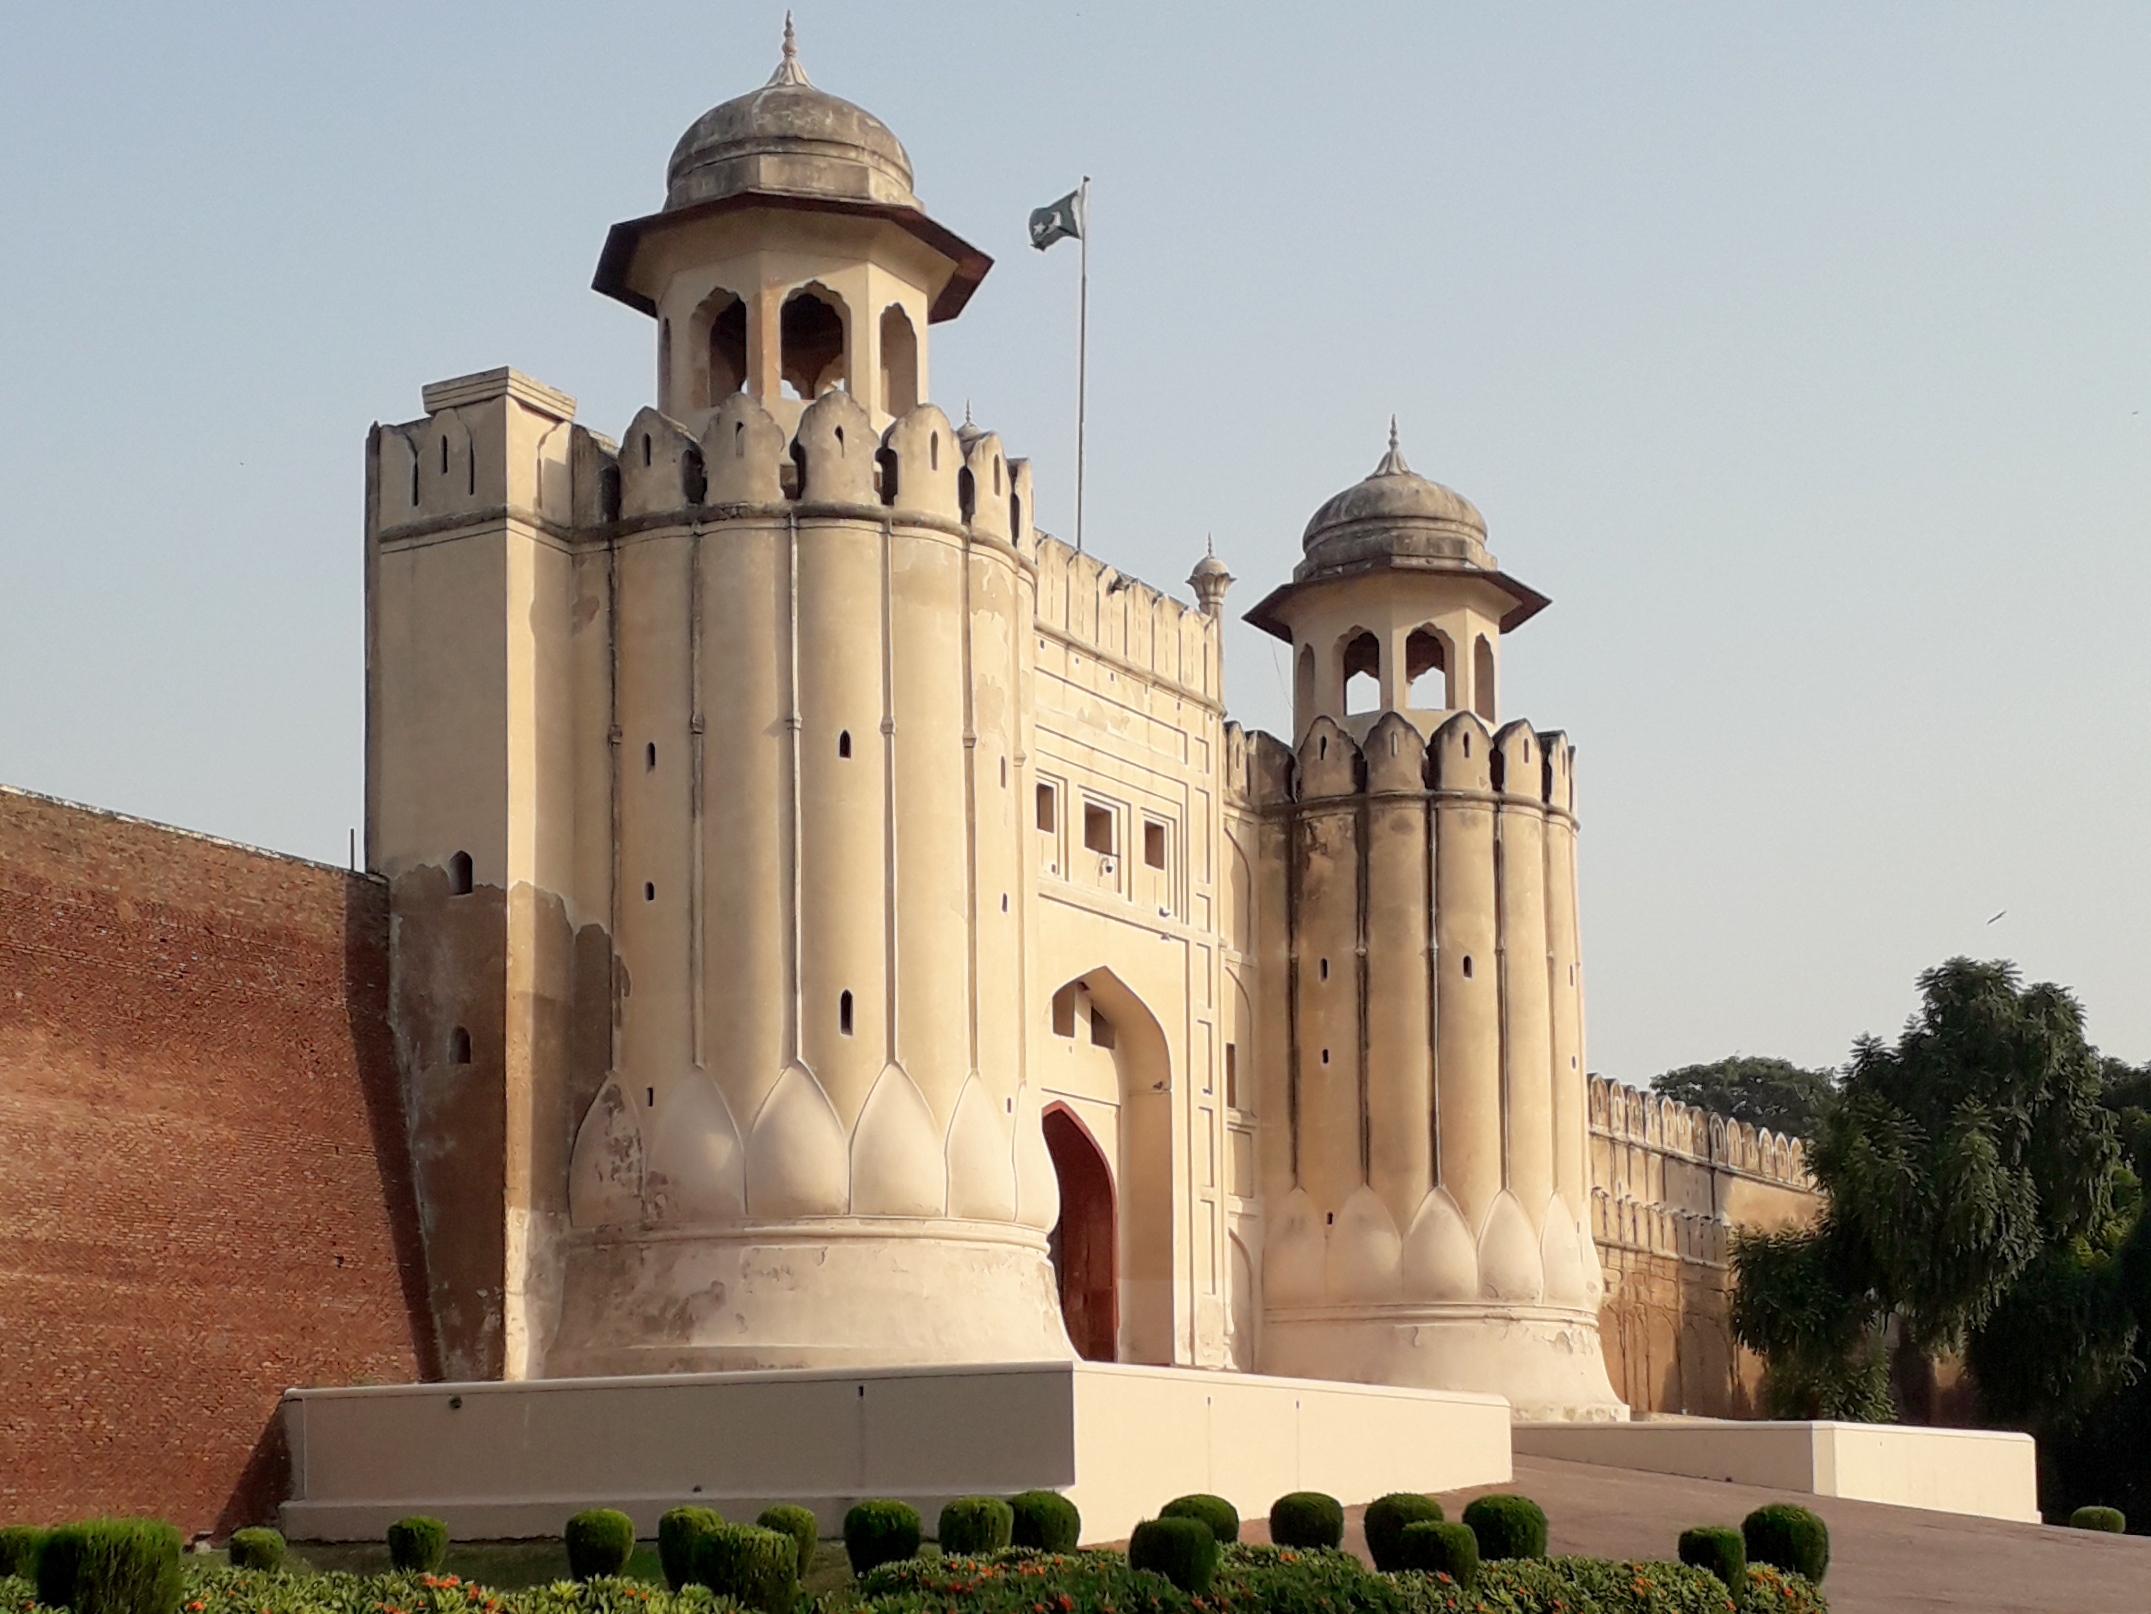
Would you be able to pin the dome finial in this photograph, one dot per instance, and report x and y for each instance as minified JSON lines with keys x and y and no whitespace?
{"x":1393,"y":461}
{"x":788,"y":70}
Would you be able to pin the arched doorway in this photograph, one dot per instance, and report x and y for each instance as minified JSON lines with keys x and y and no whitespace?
{"x":1085,"y":1240}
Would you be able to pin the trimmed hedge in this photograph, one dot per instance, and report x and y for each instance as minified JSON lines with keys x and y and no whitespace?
{"x":757,"y":1568}
{"x":1306,"y":1519}
{"x":1720,"y":1550}
{"x":1386,"y":1518}
{"x":1437,"y":1547}
{"x":256,"y":1547}
{"x":1182,"y":1549}
{"x":1789,"y":1537}
{"x":1046,"y":1521}
{"x":111,"y":1566}
{"x":19,"y":1547}
{"x":678,"y":1532}
{"x":417,"y":1544}
{"x":1220,"y":1515}
{"x":2099,"y":1519}
{"x":1507,"y":1526}
{"x":599,"y":1541}
{"x":880,"y":1532}
{"x":800,"y":1524}
{"x":974,"y":1525}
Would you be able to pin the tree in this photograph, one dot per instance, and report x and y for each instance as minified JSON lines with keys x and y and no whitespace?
{"x":1771,"y":1093}
{"x":1974,"y":1148}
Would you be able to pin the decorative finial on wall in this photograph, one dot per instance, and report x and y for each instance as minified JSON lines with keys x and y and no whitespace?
{"x":788,"y":70}
{"x":1210,"y":579}
{"x":1393,"y":461}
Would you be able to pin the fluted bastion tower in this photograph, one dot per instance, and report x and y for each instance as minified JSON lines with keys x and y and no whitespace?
{"x":1430,"y":1190}
{"x":835,"y":924}
{"x":712,"y":830}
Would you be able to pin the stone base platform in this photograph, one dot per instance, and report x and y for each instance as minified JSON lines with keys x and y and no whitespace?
{"x":504,"y":1461}
{"x":1989,"y":1473}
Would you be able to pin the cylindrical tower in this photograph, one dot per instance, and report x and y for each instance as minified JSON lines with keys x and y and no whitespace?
{"x":1430,"y":1202}
{"x":812,"y":1147}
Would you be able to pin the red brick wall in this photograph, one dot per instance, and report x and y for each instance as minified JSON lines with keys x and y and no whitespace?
{"x":204,"y":1194}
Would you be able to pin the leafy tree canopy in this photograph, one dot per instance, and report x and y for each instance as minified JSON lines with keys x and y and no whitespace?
{"x":1771,"y":1093}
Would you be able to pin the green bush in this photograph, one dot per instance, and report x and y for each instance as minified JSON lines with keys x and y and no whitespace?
{"x":2082,"y":1519}
{"x":1306,"y":1519}
{"x":19,"y":1547}
{"x":1386,"y":1518}
{"x":880,"y":1532}
{"x":599,"y":1541}
{"x":1773,"y":1588}
{"x":677,"y":1533}
{"x":1508,"y":1526}
{"x":1788,"y":1537}
{"x":1046,"y":1521}
{"x":975,"y":1525}
{"x":111,"y":1566}
{"x":417,"y":1544}
{"x":1721,"y":1551}
{"x":1220,"y":1515}
{"x":1182,"y":1549}
{"x":1437,"y":1547}
{"x":256,"y":1548}
{"x":757,"y":1568}
{"x":800,"y":1524}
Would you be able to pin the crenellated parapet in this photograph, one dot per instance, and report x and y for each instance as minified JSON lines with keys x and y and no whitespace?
{"x":1097,"y":610}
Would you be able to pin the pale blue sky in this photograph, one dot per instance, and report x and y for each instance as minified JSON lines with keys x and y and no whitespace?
{"x":1798,"y":352}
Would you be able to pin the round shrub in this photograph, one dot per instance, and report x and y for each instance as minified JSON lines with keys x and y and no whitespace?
{"x":800,"y":1524}
{"x":972,"y":1525}
{"x":600,"y":1541}
{"x":2099,"y":1519}
{"x":880,"y":1532}
{"x":1437,"y":1547}
{"x":19,"y":1547}
{"x":256,"y":1548}
{"x":1220,"y":1515}
{"x":1508,"y":1526}
{"x":111,"y":1566}
{"x":677,"y":1533}
{"x":417,"y":1545}
{"x":1788,"y":1537}
{"x":756,"y":1568}
{"x":1045,"y":1520}
{"x":1182,"y":1549}
{"x":1307,"y":1519}
{"x":1386,"y":1518}
{"x":1721,"y":1551}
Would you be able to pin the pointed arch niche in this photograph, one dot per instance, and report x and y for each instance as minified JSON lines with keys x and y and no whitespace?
{"x":813,"y":328}
{"x":899,"y":362}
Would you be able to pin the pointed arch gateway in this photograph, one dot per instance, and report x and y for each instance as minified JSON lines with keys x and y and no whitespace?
{"x":1113,"y":1246}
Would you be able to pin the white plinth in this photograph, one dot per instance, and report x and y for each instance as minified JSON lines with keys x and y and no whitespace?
{"x":1990,"y":1473}
{"x":502,"y":1461}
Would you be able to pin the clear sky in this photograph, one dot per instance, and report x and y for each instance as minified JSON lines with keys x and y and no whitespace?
{"x":1799,"y":352}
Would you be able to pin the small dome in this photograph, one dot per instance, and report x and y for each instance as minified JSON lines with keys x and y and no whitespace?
{"x":1395,"y":512}
{"x":789,"y":136}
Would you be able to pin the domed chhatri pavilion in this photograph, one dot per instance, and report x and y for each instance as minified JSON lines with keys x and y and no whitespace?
{"x":836,"y":926}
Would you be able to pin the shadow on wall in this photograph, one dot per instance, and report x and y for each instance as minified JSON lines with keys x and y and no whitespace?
{"x":263,"y":1484}
{"x":366,"y":1013}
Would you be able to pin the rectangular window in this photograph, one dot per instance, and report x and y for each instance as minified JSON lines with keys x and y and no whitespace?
{"x":1154,"y":844}
{"x":1064,"y":1011}
{"x":1046,"y":816}
{"x":1101,"y":1029}
{"x":1232,"y":1075}
{"x":1098,"y":829}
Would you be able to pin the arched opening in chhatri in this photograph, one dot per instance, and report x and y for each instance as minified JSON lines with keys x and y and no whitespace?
{"x":1084,"y":1242}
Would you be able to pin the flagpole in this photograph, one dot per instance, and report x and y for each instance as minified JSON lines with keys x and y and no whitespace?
{"x":1082,"y":342}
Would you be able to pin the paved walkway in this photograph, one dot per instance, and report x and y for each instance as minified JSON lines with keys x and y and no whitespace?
{"x":1883,"y":1560}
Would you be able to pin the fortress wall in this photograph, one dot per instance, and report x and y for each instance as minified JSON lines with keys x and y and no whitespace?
{"x":208,"y":1190}
{"x":1668,"y":1185}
